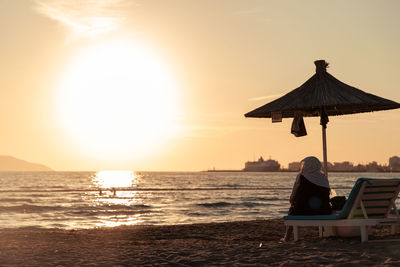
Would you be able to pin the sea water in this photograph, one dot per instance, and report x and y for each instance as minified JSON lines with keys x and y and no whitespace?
{"x":81,"y":200}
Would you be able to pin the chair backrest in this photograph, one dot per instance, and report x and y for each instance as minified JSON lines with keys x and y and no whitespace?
{"x":371,"y":198}
{"x":377,"y":198}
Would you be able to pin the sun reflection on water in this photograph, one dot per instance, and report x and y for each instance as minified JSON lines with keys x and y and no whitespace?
{"x":110,"y":179}
{"x":116,"y":196}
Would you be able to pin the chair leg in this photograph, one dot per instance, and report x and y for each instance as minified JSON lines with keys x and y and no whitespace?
{"x":327,"y":231}
{"x":395,"y":228}
{"x":364,"y":234}
{"x":295,"y":233}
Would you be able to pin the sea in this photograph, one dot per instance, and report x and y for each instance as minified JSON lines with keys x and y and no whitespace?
{"x":84,"y":200}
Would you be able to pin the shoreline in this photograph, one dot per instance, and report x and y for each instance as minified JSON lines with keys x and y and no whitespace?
{"x":231,"y":243}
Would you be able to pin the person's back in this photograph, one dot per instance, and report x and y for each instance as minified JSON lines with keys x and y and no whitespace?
{"x":311,"y":191}
{"x":310,"y":199}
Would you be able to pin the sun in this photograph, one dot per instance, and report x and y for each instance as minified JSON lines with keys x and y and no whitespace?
{"x":117,"y":100}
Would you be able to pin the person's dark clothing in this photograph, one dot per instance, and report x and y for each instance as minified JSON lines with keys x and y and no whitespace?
{"x":310,"y":199}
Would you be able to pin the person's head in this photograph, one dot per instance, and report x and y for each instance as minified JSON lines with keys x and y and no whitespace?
{"x":310,"y":165}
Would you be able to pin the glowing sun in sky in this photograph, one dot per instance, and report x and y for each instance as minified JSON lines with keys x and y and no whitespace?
{"x":117,"y":99}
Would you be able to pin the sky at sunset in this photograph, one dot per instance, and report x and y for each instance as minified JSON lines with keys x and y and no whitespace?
{"x":164,"y":85}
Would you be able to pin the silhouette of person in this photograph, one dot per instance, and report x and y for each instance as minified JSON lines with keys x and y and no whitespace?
{"x":310,"y":194}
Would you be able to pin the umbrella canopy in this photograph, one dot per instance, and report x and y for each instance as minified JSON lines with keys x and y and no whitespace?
{"x":323,"y":91}
{"x":322,"y":95}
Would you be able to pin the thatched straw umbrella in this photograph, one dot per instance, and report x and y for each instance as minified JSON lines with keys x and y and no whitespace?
{"x":322,"y":95}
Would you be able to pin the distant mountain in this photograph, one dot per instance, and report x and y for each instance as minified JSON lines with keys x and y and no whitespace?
{"x":8,"y":163}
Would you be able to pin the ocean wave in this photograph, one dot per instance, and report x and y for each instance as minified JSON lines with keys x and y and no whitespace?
{"x":262,"y":199}
{"x":109,"y":210}
{"x":40,"y":195}
{"x":197,"y":214}
{"x":231,"y":185}
{"x":215,"y":204}
{"x":32,"y":228}
{"x":106,"y":213}
{"x":253,"y":204}
{"x":26,"y":208}
{"x":119,"y":206}
{"x":13,"y":200}
{"x":90,"y":210}
{"x":222,"y":204}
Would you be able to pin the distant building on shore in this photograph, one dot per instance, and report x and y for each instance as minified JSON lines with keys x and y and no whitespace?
{"x":262,"y":165}
{"x":394,"y":164}
{"x":344,"y":166}
{"x":271,"y":165}
{"x":294,"y":166}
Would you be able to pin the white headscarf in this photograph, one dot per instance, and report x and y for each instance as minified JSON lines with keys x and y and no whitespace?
{"x":311,"y":170}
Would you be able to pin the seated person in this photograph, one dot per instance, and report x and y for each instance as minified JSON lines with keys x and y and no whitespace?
{"x":310,"y":194}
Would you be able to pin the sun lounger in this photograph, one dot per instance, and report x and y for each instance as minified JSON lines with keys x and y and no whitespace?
{"x":371,"y":202}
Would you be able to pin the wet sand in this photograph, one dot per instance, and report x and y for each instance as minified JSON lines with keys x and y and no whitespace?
{"x":253,"y":243}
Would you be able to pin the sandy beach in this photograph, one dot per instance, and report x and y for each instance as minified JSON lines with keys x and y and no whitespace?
{"x":253,"y":243}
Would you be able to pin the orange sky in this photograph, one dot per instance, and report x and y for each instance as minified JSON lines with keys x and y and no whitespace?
{"x":219,"y":60}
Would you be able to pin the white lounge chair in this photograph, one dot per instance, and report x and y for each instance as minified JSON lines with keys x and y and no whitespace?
{"x":371,"y":202}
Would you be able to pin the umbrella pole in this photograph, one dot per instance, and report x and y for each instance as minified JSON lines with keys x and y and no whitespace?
{"x":324,"y":148}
